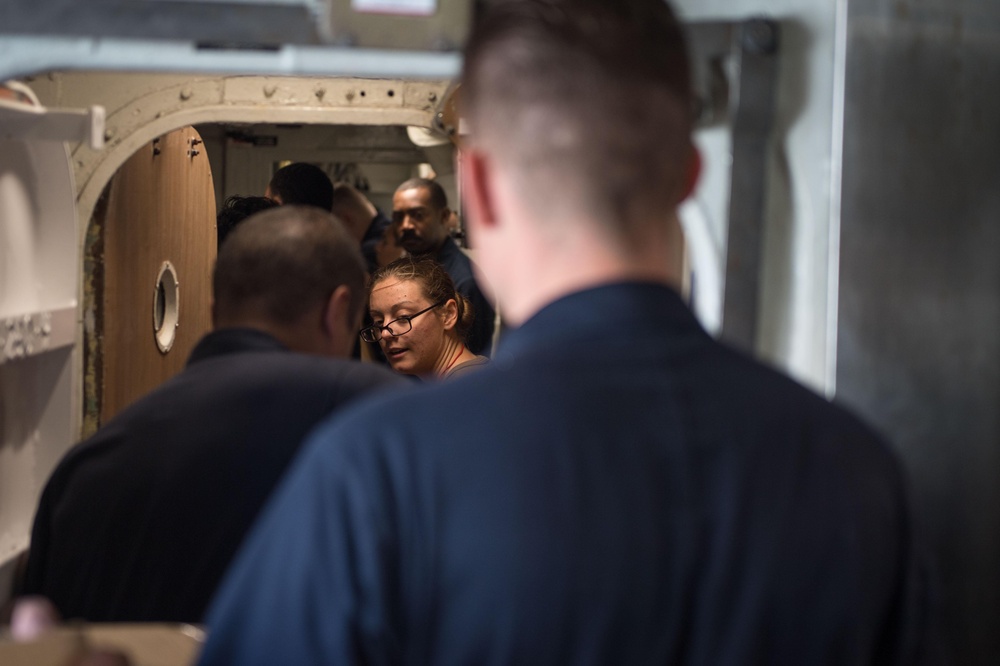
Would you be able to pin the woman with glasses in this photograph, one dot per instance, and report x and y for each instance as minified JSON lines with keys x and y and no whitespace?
{"x":419,"y":320}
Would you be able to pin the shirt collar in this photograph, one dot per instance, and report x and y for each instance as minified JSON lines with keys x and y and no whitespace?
{"x":233,"y":340}
{"x":620,"y":310}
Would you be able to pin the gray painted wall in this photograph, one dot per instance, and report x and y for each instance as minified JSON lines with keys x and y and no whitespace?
{"x":919,"y":333}
{"x":797,"y":326}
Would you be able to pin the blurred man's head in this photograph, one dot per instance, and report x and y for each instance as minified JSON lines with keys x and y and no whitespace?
{"x":294,"y":272}
{"x":353,"y":208}
{"x":301,"y":183}
{"x":588,"y":103}
{"x":420,"y":216}
{"x":580,"y":118}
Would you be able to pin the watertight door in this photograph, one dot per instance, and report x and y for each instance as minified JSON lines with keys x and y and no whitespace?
{"x":159,"y":247}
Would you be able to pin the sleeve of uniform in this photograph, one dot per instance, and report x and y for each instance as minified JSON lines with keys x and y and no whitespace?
{"x":309,"y":585}
{"x":481,"y":334}
{"x":913,"y":630}
{"x":34,"y":575}
{"x":852,"y":585}
{"x":895,"y":595}
{"x":900,"y":591}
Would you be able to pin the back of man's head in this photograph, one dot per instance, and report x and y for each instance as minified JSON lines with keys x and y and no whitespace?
{"x":587,"y":99}
{"x":235,"y":210}
{"x":281,"y":264}
{"x":301,"y":183}
{"x":353,"y":208}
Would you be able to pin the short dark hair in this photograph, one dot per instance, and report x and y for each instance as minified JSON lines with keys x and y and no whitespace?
{"x":303,"y":183}
{"x":346,"y":197}
{"x":280,"y":263}
{"x":588,"y":98}
{"x":438,"y":198}
{"x":436,"y":284}
{"x":236,"y":209}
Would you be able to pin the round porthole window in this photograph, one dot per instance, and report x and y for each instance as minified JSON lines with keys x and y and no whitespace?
{"x":166,"y":301}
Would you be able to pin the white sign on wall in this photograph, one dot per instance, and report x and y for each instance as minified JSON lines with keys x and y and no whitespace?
{"x":401,"y":7}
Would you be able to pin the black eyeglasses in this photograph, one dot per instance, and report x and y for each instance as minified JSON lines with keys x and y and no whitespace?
{"x":399,"y":326}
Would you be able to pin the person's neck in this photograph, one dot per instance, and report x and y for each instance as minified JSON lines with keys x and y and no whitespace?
{"x":454,"y":353}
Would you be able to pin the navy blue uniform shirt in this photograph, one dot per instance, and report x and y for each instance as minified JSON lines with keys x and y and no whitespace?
{"x":615,"y":488}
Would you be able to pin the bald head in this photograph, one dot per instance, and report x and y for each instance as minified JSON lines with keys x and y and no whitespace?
{"x":284,"y":263}
{"x":353,"y":208}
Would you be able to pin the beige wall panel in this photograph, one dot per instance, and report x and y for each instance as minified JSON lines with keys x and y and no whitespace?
{"x":161,"y":208}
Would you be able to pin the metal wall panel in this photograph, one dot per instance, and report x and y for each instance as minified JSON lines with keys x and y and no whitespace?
{"x":919,"y":348}
{"x":796,"y":330}
{"x":38,"y":274}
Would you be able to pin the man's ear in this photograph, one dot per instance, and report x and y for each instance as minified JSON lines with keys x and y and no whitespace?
{"x":339,"y":322}
{"x":477,"y":188}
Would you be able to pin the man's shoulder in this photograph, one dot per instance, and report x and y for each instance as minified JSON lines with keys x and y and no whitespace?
{"x":107,"y":441}
{"x":455,"y":261}
{"x":228,"y":382}
{"x":296,"y":363}
{"x":782,"y":418}
{"x":404,"y":412}
{"x":734,"y":397}
{"x":356,"y":376}
{"x":763,"y":383}
{"x":288,"y":367}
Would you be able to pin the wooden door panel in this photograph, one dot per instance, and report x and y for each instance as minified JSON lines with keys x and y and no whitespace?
{"x":161,"y":208}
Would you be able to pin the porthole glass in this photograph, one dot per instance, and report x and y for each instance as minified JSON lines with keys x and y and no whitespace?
{"x":166,"y":301}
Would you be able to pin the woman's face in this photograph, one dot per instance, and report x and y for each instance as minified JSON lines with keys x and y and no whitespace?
{"x":418,"y":351}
